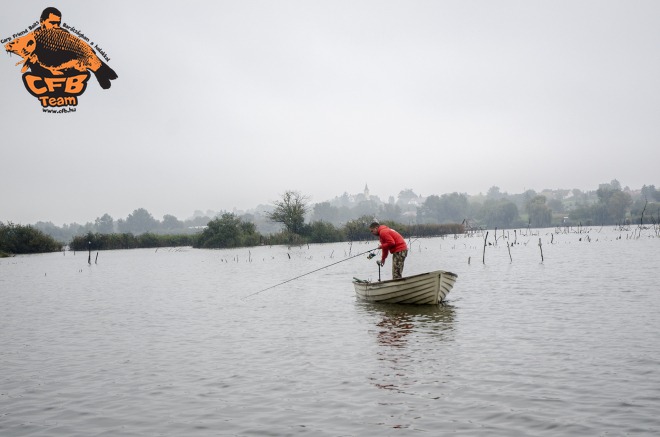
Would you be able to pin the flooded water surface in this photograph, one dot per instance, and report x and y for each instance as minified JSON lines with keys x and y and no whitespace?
{"x":181,"y":342}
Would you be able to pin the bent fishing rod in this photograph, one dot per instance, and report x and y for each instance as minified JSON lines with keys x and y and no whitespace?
{"x":309,"y":273}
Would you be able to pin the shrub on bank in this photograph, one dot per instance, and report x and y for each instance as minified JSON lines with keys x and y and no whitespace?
{"x":228,"y":231}
{"x":18,"y":239}
{"x":96,"y":241}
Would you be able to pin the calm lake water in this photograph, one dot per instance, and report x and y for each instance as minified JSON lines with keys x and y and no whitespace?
{"x":167,"y":342}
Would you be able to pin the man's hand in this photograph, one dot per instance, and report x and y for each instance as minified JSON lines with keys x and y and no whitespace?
{"x":380,"y":263}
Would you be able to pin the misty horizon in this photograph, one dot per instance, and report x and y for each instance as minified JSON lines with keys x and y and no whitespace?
{"x":211,"y":213}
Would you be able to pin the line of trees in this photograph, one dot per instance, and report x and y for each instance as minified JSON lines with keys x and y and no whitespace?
{"x":333,"y":220}
{"x":291,"y":210}
{"x":98,"y":241}
{"x":229,"y":231}
{"x":609,"y":205}
{"x":299,"y":223}
{"x":140,"y":221}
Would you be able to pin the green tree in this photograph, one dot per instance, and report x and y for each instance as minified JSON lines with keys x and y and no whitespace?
{"x":448,"y":208}
{"x":390,"y":211}
{"x":290,"y":211}
{"x":540,"y":215}
{"x":604,"y":192}
{"x":358,"y":229}
{"x":171,"y":223}
{"x":365,"y":207}
{"x":323,"y":232}
{"x":139,"y":222}
{"x":228,"y":231}
{"x":324,"y":211}
{"x":105,"y":224}
{"x":59,"y":234}
{"x":613,"y":203}
{"x":500,"y":213}
{"x":556,"y":205}
{"x":618,"y":205}
{"x":583,"y":214}
{"x":650,"y":193}
{"x":429,"y":211}
{"x":645,"y":212}
{"x":405,"y":196}
{"x":18,"y":239}
{"x":494,"y":193}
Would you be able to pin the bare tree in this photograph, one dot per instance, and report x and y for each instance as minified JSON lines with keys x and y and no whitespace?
{"x":290,"y":211}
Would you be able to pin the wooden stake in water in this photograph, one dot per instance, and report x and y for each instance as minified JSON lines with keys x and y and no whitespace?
{"x":541,"y":248}
{"x":483,"y":259}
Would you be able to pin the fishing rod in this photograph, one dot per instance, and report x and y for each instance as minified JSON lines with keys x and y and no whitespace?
{"x":308,"y":273}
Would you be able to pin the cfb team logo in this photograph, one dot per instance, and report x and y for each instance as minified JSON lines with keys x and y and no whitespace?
{"x":57,"y":64}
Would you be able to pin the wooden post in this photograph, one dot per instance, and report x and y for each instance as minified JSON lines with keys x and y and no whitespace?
{"x":641,"y":219}
{"x":541,"y":248}
{"x":484,"y":255}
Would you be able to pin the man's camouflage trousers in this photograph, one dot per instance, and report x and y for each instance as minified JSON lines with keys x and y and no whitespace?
{"x":398,"y":259}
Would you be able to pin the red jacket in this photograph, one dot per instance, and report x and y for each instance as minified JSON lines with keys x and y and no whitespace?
{"x":390,"y":241}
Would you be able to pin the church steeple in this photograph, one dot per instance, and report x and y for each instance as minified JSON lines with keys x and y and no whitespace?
{"x":366,"y":191}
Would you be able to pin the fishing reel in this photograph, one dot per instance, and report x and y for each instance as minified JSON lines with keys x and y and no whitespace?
{"x":371,"y":255}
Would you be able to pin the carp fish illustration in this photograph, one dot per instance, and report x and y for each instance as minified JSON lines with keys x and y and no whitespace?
{"x":57,"y":51}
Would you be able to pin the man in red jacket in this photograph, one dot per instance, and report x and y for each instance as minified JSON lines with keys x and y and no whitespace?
{"x":390,"y":242}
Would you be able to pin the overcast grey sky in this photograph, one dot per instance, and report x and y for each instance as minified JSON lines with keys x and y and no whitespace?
{"x":227,"y":104}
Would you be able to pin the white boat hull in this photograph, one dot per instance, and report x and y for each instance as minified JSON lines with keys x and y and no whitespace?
{"x":426,"y":289}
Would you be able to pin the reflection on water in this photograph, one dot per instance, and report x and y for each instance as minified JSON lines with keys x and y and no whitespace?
{"x":397,"y":322}
{"x":394,"y":330}
{"x":407,"y":334}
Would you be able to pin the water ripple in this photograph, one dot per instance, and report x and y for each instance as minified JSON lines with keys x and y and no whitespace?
{"x":163,"y":343}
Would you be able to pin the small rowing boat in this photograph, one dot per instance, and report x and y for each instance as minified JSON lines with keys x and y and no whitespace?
{"x":426,"y":288}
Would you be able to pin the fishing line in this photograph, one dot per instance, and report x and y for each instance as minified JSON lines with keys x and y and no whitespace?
{"x":305,"y":274}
